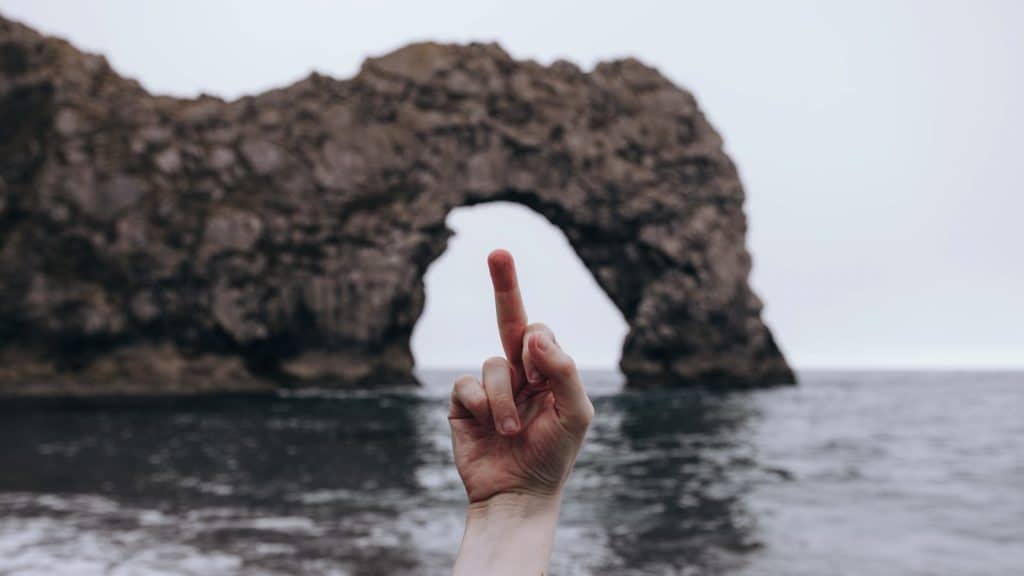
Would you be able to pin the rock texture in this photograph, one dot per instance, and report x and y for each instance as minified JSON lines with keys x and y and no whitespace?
{"x":157,"y":245}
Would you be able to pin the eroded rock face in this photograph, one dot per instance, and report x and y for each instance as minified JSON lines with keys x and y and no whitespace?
{"x":158,"y":245}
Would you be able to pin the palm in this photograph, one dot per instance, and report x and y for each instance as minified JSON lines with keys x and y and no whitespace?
{"x":535,"y":460}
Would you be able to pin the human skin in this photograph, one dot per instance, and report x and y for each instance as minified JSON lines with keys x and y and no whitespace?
{"x":516,"y":432}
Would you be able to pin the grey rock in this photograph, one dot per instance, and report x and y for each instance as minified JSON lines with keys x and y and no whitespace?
{"x":221,"y":158}
{"x":67,"y":122}
{"x":154,"y":245}
{"x":230,"y":230}
{"x":263,"y":157}
{"x":168,"y":161}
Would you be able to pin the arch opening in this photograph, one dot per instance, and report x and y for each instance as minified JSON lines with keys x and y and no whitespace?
{"x":457,"y":330}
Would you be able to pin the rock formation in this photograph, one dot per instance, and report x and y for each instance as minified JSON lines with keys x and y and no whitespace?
{"x":156,"y":245}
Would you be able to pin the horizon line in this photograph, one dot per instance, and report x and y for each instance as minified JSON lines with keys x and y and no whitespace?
{"x":810,"y":368}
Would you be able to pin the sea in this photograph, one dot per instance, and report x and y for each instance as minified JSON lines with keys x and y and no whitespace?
{"x":873,"y":473}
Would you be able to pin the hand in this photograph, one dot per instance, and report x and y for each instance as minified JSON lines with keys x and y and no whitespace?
{"x":512,"y":434}
{"x":515,"y":438}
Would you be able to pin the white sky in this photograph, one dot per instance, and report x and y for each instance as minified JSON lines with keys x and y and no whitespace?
{"x":880,"y":143}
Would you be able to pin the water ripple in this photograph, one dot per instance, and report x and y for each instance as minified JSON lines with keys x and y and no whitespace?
{"x":849,"y":473}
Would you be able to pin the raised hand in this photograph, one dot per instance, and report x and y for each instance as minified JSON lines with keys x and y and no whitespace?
{"x":516,"y":432}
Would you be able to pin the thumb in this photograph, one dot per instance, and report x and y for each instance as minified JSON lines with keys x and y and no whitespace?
{"x":574,"y":408}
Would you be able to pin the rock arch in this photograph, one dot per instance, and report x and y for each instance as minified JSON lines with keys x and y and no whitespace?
{"x":159,"y":245}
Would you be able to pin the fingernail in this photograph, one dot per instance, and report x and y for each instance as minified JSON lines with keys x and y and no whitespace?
{"x":533,"y":377}
{"x":509,"y":426}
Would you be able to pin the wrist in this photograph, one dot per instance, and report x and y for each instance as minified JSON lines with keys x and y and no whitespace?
{"x":509,"y":534}
{"x":515,"y":506}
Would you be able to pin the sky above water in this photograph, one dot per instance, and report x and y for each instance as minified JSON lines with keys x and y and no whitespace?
{"x":880,"y":144}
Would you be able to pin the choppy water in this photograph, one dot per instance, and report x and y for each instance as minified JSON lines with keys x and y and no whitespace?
{"x":849,"y":473}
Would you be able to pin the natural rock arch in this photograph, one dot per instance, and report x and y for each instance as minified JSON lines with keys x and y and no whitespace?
{"x":558,"y":289}
{"x":160,"y":245}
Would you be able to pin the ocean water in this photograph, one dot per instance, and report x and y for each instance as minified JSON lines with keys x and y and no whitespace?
{"x":848,"y":473}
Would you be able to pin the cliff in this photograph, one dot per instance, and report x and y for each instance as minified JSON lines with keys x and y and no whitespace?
{"x":155,"y":245}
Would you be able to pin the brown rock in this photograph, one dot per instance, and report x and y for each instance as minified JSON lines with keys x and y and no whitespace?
{"x":153,"y":245}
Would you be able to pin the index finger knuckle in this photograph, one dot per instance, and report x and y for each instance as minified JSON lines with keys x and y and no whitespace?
{"x":538,"y":327}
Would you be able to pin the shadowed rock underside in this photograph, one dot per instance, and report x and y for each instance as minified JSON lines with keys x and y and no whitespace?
{"x":154,"y":245}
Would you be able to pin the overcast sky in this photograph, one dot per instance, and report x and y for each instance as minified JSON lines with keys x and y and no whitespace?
{"x":880,"y":143}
